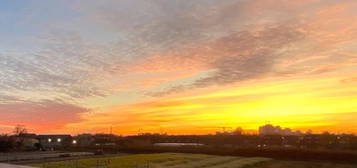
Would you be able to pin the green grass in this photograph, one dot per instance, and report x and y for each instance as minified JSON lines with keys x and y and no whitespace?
{"x":127,"y":161}
{"x":174,"y":160}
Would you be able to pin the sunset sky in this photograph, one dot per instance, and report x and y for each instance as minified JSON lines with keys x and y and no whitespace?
{"x":177,"y":66}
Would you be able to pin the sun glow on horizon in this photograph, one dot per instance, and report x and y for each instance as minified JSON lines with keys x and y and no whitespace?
{"x":300,"y":104}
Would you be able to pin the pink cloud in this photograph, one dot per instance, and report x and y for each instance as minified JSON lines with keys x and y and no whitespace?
{"x":40,"y":116}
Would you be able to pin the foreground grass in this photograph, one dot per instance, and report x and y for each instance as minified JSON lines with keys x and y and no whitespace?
{"x":157,"y":161}
{"x":173,"y":160}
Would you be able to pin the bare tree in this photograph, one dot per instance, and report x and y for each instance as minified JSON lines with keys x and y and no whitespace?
{"x":20,"y":130}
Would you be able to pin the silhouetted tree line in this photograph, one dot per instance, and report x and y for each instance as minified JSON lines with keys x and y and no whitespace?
{"x":309,"y":141}
{"x":329,"y":147}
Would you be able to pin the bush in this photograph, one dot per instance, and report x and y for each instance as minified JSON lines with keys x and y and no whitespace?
{"x":7,"y":143}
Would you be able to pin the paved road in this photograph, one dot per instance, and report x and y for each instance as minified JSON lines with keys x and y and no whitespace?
{"x":13,"y":166}
{"x":40,"y":155}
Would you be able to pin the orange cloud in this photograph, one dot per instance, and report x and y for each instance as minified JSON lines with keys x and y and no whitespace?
{"x":293,"y":71}
{"x":297,"y":103}
{"x":42,"y":116}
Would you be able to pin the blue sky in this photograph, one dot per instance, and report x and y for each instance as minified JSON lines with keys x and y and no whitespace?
{"x":24,"y":21}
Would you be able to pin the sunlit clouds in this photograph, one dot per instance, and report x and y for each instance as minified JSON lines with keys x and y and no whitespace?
{"x":181,"y":67}
{"x":317,"y":104}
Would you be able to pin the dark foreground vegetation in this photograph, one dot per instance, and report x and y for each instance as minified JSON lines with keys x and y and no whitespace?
{"x":324,"y":147}
{"x":276,"y":153}
{"x":336,"y":148}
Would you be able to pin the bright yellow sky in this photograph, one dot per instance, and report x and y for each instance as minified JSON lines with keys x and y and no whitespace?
{"x":319,"y":103}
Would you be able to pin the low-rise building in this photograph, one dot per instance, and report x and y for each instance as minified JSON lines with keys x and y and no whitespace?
{"x":53,"y":142}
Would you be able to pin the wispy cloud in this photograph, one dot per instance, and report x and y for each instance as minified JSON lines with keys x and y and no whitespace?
{"x":107,"y":50}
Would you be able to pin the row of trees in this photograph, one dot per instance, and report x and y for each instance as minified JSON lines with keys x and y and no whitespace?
{"x":14,"y":141}
{"x":7,"y":143}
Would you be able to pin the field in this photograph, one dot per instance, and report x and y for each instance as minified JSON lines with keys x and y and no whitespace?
{"x":173,"y":160}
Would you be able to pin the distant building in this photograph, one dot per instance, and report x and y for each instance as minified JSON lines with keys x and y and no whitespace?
{"x":83,"y":140}
{"x":28,"y":135}
{"x":276,"y":130}
{"x":104,"y":139}
{"x":53,"y":142}
{"x":28,"y":141}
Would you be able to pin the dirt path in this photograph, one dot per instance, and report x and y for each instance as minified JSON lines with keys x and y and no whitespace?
{"x":67,"y":158}
{"x":3,"y":165}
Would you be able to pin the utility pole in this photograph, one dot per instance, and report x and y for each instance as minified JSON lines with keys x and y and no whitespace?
{"x":111,"y":130}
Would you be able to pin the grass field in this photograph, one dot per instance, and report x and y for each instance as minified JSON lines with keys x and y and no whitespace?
{"x":173,"y":160}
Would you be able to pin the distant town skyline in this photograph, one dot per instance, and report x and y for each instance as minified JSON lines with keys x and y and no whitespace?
{"x":178,"y":66}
